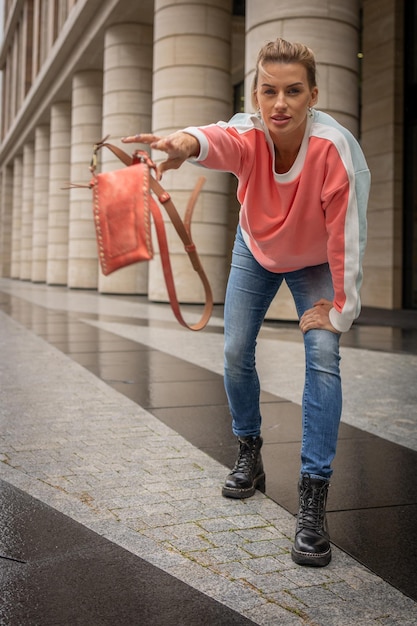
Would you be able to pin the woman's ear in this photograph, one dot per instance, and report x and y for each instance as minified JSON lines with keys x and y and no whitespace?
{"x":314,"y":96}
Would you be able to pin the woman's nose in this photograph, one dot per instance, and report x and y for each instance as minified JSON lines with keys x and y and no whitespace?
{"x":280,"y":101}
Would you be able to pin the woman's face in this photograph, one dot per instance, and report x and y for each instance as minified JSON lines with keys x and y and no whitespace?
{"x":283,"y":96}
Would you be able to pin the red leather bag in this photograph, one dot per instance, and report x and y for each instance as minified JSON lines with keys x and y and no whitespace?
{"x":122,"y":217}
{"x":123,"y":204}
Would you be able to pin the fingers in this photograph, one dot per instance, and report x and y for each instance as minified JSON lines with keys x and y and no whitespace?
{"x":179,"y":147}
{"x":147,"y":138}
{"x":323,"y":302}
{"x":168,"y":164}
{"x":154,"y":141}
{"x":316,"y":318}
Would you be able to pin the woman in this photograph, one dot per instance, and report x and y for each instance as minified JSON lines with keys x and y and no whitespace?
{"x":303,"y":189}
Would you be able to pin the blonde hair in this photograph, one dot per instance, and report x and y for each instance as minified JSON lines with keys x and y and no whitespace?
{"x":282,"y":51}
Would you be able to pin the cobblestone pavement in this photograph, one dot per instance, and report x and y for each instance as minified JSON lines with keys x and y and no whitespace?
{"x":76,"y":444}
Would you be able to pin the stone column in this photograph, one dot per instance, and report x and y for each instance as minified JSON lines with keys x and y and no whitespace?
{"x":58,"y":205}
{"x":27,"y":212}
{"x":40,"y":204}
{"x":6,"y":220}
{"x":331,"y":29}
{"x":127,"y":109}
{"x":192,"y":86}
{"x":85,"y":132}
{"x":17,"y":216}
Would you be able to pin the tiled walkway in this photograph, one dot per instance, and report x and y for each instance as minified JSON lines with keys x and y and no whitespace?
{"x":113,"y":444}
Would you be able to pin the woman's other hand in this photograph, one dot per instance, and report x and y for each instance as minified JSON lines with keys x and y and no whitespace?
{"x":317,"y":317}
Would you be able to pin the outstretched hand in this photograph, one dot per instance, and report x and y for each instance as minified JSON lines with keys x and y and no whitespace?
{"x":179,"y":147}
{"x":318,"y":317}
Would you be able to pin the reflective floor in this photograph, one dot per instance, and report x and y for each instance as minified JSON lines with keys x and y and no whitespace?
{"x":373,"y":499}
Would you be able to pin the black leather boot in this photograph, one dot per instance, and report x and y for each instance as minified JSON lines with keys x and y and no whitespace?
{"x":312,"y":543}
{"x":248,"y":472}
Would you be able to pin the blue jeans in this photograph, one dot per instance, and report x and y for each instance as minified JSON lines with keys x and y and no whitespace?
{"x":250,"y":290}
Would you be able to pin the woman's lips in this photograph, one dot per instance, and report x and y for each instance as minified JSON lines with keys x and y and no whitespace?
{"x":280,"y":119}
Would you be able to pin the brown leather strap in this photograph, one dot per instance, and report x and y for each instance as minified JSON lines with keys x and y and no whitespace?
{"x":183,"y":229}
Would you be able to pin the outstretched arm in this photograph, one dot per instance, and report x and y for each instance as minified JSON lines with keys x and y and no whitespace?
{"x":179,"y":147}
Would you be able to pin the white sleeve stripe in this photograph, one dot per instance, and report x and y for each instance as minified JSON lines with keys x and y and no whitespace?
{"x":353,"y":249}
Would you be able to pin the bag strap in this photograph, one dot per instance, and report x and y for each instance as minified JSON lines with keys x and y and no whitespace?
{"x":183,"y":229}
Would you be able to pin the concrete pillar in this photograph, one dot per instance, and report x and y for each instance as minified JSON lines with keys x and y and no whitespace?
{"x":27,"y":212}
{"x":85,"y":132}
{"x":6,"y":208}
{"x":17,"y":216}
{"x":58,"y":197}
{"x":192,"y":86}
{"x":40,"y":204}
{"x":331,"y":29}
{"x":127,"y":109}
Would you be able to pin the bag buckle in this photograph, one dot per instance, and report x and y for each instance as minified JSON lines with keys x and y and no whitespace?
{"x":140,"y":156}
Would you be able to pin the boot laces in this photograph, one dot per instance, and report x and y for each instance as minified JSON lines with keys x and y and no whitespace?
{"x":246,"y":458}
{"x":312,"y":502}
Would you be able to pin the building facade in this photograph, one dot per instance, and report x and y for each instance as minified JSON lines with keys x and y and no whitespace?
{"x":74,"y":71}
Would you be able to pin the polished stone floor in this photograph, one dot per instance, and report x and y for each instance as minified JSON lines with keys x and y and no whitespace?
{"x":137,"y":350}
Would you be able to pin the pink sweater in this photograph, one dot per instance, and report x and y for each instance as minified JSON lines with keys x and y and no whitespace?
{"x":314,"y":213}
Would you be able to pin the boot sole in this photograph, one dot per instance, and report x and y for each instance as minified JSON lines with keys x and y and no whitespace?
{"x":311,"y":559}
{"x":258,"y":484}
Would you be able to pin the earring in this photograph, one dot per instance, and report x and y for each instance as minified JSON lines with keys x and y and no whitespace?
{"x":310,"y":112}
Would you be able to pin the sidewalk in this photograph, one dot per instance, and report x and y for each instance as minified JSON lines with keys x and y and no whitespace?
{"x":114,"y":440}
